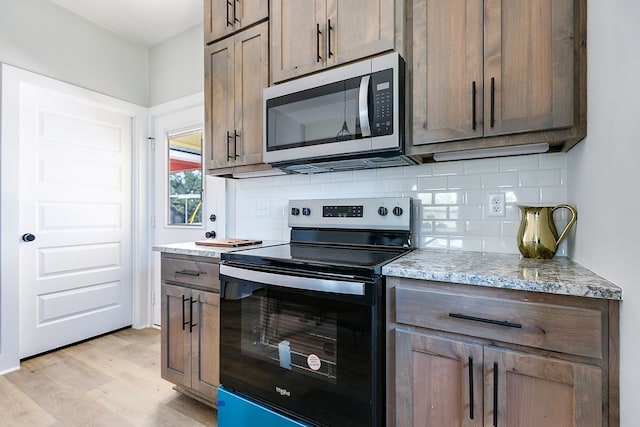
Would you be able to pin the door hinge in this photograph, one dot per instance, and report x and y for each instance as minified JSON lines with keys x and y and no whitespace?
{"x":153,"y":221}
{"x":153,"y":299}
{"x":152,"y":141}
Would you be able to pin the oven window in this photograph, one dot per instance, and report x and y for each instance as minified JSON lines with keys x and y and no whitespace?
{"x":290,"y":334}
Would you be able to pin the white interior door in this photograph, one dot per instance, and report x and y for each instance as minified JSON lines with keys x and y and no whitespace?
{"x":170,"y":122}
{"x":75,"y":199}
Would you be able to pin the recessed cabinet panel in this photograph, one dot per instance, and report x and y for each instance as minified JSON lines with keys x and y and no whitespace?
{"x":540,"y":391}
{"x":225,"y":17}
{"x":447,"y":70}
{"x":529,"y":55}
{"x":361,"y":28}
{"x":298,"y":38}
{"x":442,"y":378}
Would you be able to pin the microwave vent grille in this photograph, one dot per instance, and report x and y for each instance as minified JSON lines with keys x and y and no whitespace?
{"x":348,"y":165}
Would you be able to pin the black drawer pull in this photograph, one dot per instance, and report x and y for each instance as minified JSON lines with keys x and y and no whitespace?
{"x":471,"y":403}
{"x":189,"y":273}
{"x":483,"y":320}
{"x":495,"y":395}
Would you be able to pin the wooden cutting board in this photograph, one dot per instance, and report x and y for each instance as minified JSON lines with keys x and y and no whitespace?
{"x":228,"y":243}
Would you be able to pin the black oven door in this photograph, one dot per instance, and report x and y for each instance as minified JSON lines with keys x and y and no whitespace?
{"x":308,"y":347}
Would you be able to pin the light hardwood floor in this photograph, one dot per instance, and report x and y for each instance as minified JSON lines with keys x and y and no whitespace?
{"x":113,"y":380}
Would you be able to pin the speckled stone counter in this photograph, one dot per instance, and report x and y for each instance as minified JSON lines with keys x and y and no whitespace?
{"x":190,"y":248}
{"x":559,"y":275}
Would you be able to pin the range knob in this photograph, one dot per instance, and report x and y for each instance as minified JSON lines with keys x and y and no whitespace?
{"x":382,"y":211}
{"x":397,"y":211}
{"x":295,"y":211}
{"x":306,"y":211}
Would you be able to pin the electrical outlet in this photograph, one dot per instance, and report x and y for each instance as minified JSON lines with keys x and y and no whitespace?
{"x":496,"y":205}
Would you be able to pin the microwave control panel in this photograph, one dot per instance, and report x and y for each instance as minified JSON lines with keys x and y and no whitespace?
{"x":382,"y":100}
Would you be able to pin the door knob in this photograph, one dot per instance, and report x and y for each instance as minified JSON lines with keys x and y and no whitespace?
{"x":210,"y":234}
{"x":28,"y":237}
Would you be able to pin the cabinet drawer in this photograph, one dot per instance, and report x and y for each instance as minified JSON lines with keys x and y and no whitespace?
{"x":566,"y":329}
{"x":191,"y":272}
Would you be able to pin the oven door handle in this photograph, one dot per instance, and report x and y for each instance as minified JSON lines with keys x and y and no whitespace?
{"x":294,"y":282}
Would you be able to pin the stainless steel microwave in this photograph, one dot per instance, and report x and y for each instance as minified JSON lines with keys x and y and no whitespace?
{"x":349,"y":117}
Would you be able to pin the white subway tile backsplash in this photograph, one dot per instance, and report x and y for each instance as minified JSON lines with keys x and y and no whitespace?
{"x":448,"y":168}
{"x":500,"y":180}
{"x":553,"y":161}
{"x":481,"y":166}
{"x":432,"y":183}
{"x":519,"y":163}
{"x":459,"y":182}
{"x":450,"y":199}
{"x":544,"y":178}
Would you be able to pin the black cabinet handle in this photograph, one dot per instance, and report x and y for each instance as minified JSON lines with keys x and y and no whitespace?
{"x":473,"y":105}
{"x":235,"y":16}
{"x":229,"y":23}
{"x":183,"y":315}
{"x":236,"y":135}
{"x":495,"y":395}
{"x":493,"y":101}
{"x":318,"y":34}
{"x":191,"y":324}
{"x":189,"y":273}
{"x":471,"y":388}
{"x":483,"y":320}
{"x":329,"y":28}
{"x":228,"y":142}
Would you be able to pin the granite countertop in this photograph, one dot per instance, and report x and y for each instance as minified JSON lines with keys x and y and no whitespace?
{"x":559,"y":275}
{"x":190,"y":248}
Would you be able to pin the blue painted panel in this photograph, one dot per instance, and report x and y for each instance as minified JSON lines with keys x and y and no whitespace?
{"x":236,"y":411}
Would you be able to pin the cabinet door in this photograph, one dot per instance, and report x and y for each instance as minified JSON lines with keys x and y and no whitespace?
{"x":360,"y":28}
{"x":219,"y":110}
{"x":447,"y":67}
{"x":205,"y":343}
{"x":251,"y":76}
{"x":298,"y":32}
{"x":175,"y":335}
{"x":438,"y":381}
{"x":529,"y":59}
{"x":223,"y":17}
{"x":541,"y":392}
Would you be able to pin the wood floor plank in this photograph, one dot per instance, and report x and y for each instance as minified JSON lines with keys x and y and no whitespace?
{"x":113,"y":380}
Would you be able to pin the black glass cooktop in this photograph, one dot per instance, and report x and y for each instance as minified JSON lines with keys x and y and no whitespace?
{"x":349,"y":260}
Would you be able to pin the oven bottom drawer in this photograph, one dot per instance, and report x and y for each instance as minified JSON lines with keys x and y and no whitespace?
{"x":236,"y":411}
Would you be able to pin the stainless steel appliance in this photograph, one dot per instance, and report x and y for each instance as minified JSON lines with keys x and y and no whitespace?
{"x":302,"y":324}
{"x":350,"y":117}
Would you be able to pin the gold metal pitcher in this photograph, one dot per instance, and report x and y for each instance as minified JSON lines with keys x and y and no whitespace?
{"x":537,"y":235}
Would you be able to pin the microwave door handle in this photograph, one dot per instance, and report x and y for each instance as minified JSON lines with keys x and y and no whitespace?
{"x":363,"y":106}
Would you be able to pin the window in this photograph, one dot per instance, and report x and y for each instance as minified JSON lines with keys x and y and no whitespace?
{"x":185,"y":178}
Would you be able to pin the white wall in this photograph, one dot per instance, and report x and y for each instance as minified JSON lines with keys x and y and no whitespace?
{"x":176,"y":66}
{"x":39,"y":36}
{"x":604,"y":174}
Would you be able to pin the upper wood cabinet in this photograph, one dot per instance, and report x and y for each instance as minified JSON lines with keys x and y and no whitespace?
{"x":236,"y":71}
{"x":494,"y":73}
{"x":224,"y":17}
{"x":309,"y":35}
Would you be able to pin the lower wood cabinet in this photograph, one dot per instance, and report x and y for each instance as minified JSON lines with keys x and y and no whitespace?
{"x":454,"y":383}
{"x":190,"y":334}
{"x":464,"y":355}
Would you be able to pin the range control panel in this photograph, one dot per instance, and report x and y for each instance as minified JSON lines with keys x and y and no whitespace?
{"x":380,"y":213}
